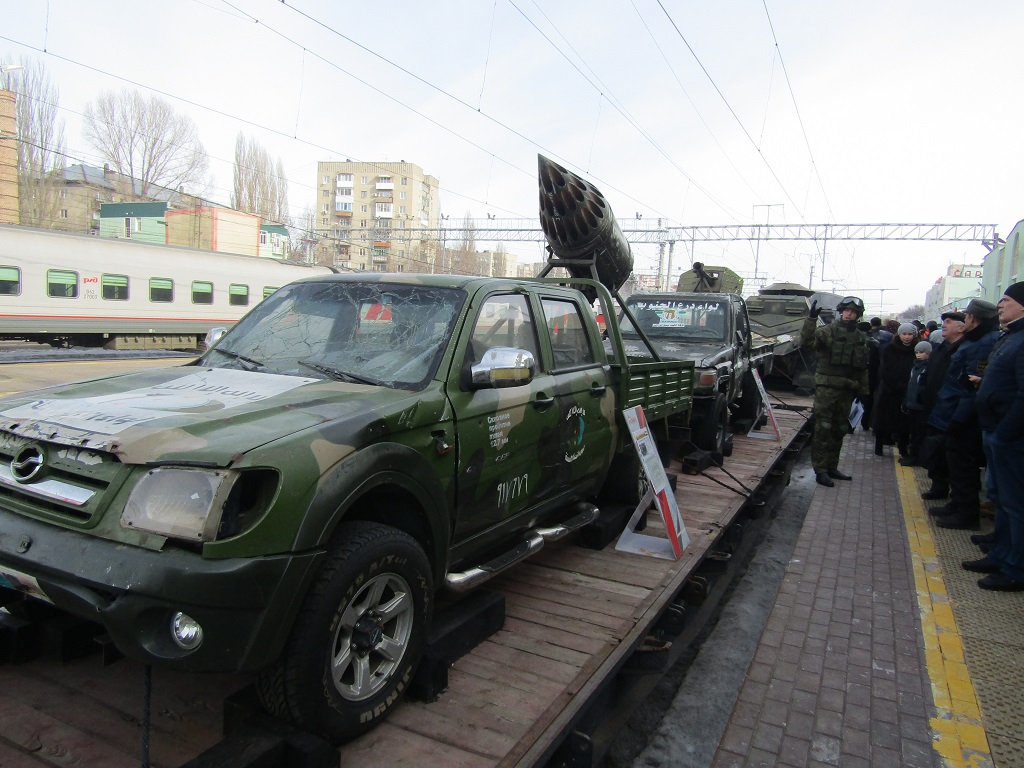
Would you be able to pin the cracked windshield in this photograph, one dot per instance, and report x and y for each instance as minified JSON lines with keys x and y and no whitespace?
{"x":388,"y":334}
{"x":677,"y":319}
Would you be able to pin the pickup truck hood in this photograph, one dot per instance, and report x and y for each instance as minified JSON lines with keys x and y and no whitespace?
{"x":702,"y":355}
{"x":207,"y":415}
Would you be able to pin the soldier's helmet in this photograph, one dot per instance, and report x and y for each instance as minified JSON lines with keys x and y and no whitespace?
{"x":851,"y":302}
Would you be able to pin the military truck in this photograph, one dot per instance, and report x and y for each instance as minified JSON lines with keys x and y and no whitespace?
{"x":292,"y":501}
{"x":711,"y":329}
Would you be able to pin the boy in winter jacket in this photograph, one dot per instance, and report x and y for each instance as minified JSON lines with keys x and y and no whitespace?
{"x":913,"y":403}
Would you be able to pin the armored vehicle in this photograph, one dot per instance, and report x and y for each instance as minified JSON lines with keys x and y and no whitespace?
{"x":777,"y":313}
{"x":292,"y":501}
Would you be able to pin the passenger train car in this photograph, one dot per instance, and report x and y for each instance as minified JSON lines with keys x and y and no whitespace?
{"x":80,"y":290}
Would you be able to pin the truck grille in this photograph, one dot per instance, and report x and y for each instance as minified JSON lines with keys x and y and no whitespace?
{"x":59,"y":483}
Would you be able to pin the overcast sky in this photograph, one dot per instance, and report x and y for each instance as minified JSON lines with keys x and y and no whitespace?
{"x":710,"y":113}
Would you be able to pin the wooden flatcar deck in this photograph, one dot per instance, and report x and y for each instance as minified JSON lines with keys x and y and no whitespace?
{"x":574,"y":616}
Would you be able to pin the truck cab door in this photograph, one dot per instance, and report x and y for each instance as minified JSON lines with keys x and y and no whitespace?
{"x":507,"y":436}
{"x":586,"y":402}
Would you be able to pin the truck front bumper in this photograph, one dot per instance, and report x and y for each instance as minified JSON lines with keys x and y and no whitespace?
{"x":244,"y":606}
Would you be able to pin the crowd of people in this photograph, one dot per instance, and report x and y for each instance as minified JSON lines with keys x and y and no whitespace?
{"x":949,"y":398}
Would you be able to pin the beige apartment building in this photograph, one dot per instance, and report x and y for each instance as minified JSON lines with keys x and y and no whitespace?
{"x":369,"y":216}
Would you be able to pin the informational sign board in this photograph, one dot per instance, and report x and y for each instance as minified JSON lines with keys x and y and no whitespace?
{"x":659,"y":491}
{"x":771,"y":414}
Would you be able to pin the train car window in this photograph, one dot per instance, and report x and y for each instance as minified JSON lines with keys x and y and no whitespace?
{"x":238,"y":295}
{"x":161,"y":289}
{"x":61,"y":284}
{"x":10,"y":281}
{"x":202,"y":292}
{"x":269,"y":289}
{"x":114,"y":287}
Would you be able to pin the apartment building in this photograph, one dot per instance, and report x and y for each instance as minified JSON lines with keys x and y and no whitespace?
{"x":369,"y":216}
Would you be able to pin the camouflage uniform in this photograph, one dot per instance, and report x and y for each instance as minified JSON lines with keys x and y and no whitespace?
{"x":841,"y":375}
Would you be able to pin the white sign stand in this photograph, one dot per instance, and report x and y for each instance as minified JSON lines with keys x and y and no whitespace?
{"x":771,"y":414}
{"x":658,"y":491}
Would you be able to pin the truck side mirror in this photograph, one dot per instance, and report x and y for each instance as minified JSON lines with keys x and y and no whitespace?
{"x":503,"y":367}
{"x":213,"y":336}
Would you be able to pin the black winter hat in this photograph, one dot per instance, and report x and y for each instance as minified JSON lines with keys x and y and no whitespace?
{"x":1016,"y":292}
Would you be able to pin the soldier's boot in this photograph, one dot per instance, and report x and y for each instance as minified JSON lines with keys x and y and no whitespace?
{"x":821,"y":478}
{"x":939,"y":490}
{"x":878,"y":444}
{"x":835,"y":474}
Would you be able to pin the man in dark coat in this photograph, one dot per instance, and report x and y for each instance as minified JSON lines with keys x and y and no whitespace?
{"x":934,"y":455}
{"x":1000,"y":407}
{"x":841,"y":375}
{"x":954,"y":414}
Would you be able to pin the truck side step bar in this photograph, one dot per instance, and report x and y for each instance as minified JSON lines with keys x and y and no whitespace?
{"x":466,"y":580}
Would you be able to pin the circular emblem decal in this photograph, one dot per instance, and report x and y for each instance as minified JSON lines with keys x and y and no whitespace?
{"x":27,"y":463}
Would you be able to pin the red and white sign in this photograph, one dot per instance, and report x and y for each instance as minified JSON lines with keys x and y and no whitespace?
{"x":659,"y":490}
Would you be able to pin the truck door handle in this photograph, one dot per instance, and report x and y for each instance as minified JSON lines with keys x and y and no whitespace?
{"x":541,"y":403}
{"x":597,"y":389}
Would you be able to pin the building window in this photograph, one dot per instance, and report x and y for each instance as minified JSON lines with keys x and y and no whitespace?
{"x":161,"y":289}
{"x":268,"y":289}
{"x":362,"y":194}
{"x":63,"y":194}
{"x":202,"y":292}
{"x":61,"y":284}
{"x":114,"y":287}
{"x":327,"y":180}
{"x":401,"y":209}
{"x":10,"y":281}
{"x":238,"y":295}
{"x":345,"y":178}
{"x":325,"y":222}
{"x":326,"y":193}
{"x":405,"y":180}
{"x":401,"y":195}
{"x":63,"y":213}
{"x":366,"y":179}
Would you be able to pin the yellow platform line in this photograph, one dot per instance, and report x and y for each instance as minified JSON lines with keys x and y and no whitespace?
{"x":957,"y":731}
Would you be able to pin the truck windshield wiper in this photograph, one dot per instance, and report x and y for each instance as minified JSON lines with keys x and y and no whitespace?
{"x":340,"y":375}
{"x":247,"y":362}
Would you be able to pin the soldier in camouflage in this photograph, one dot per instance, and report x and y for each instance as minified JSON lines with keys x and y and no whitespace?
{"x":841,"y":375}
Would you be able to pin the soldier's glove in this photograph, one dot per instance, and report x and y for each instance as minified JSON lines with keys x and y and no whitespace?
{"x":815,"y":310}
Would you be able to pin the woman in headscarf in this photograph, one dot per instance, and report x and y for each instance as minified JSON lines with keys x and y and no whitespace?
{"x":891,"y":423}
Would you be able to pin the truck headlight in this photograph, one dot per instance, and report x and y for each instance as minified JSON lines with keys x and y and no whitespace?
{"x":178,"y":502}
{"x":707,"y":379}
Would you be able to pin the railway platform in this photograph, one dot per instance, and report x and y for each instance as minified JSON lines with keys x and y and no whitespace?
{"x":880,"y":650}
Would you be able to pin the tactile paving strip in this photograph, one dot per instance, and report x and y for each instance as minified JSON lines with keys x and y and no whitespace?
{"x":992,"y":628}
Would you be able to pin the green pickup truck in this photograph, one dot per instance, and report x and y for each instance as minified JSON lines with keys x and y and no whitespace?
{"x":292,"y":501}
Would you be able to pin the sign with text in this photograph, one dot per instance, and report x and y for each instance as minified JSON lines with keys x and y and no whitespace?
{"x":659,"y":491}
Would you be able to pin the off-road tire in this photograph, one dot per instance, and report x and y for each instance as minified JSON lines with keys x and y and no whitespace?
{"x":368,"y":567}
{"x":711,"y":429}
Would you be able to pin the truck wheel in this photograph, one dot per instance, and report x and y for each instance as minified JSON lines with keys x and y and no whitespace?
{"x":358,"y":636}
{"x":711,"y":429}
{"x":751,"y":405}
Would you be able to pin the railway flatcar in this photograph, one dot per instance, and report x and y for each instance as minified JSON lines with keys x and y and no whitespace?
{"x":79,"y":290}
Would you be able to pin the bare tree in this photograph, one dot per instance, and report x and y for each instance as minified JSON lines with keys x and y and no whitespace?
{"x":41,"y":144}
{"x":260,"y":185}
{"x":465,"y":259}
{"x":146,"y":140}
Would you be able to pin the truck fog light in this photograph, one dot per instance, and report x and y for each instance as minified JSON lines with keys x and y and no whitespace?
{"x":186,"y":631}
